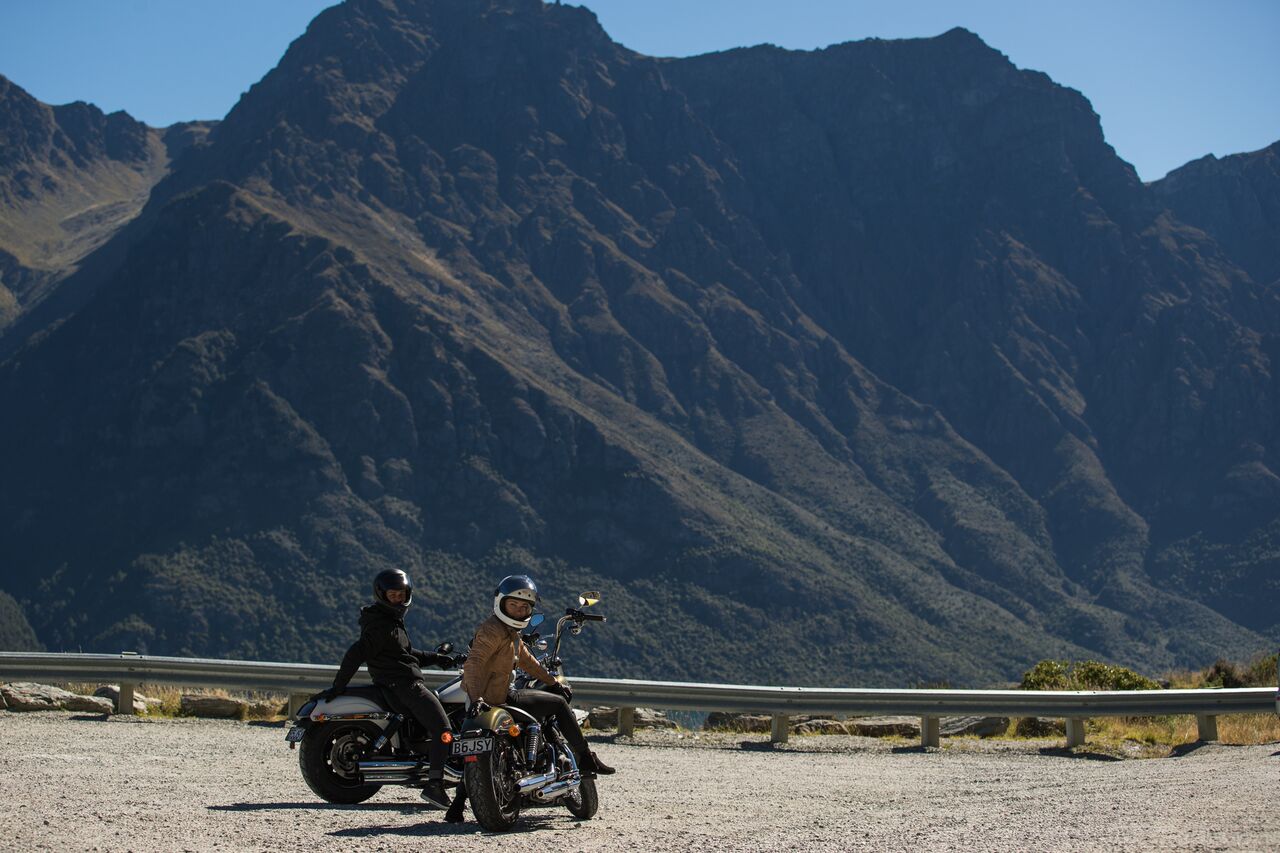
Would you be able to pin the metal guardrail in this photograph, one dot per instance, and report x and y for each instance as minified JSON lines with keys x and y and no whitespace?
{"x":301,"y":680}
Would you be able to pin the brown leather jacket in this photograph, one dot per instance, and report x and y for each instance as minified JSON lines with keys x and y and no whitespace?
{"x":495,"y":651}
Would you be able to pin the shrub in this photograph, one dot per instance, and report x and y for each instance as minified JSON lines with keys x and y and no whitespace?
{"x":1262,"y":671}
{"x":1047,"y":675}
{"x":1083,"y":675}
{"x":1223,"y":674}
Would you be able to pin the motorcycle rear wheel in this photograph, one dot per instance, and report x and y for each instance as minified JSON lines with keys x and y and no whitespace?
{"x":491,"y":785}
{"x":327,"y":757}
{"x":584,"y":801}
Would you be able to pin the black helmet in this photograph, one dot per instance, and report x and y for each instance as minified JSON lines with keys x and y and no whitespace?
{"x":515,"y":586}
{"x":392,"y":579}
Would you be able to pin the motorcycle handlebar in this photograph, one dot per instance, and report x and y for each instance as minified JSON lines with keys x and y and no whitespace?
{"x":583,"y":617}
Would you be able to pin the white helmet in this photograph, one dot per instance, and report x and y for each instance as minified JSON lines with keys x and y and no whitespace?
{"x":515,"y":586}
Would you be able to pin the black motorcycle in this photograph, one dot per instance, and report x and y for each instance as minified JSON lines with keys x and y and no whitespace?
{"x":352,"y":745}
{"x":519,"y":761}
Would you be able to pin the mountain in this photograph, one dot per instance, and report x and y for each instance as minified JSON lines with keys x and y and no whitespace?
{"x":70,"y":178}
{"x":1236,"y":200}
{"x":853,"y":366}
{"x":16,"y":634}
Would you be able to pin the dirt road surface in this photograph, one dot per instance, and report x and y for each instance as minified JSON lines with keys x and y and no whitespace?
{"x":79,"y":782}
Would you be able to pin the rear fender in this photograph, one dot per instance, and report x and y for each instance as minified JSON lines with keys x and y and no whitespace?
{"x":492,"y":719}
{"x":347,"y":707}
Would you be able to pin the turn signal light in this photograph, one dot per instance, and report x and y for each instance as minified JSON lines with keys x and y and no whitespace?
{"x":513,"y":730}
{"x":447,"y":737}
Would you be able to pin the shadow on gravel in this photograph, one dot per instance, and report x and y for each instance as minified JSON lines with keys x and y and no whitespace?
{"x":1186,"y":748}
{"x":1080,"y":754}
{"x":437,"y":827}
{"x":90,"y":718}
{"x":268,"y":807}
{"x":273,"y":724}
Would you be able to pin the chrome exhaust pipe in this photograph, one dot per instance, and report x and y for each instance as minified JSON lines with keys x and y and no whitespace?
{"x":557,"y":790}
{"x":529,"y":783}
{"x":401,"y":771}
{"x":389,"y":771}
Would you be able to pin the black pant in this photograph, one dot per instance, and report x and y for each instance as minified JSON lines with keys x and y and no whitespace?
{"x":426,"y":708}
{"x":541,"y":704}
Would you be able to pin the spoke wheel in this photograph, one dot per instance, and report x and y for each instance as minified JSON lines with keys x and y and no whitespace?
{"x":329,"y":758}
{"x":491,"y":784}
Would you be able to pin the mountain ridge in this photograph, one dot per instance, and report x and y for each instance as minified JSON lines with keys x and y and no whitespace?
{"x":578,"y":329}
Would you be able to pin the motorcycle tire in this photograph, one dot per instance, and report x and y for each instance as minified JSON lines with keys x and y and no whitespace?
{"x":322,"y":770}
{"x":583,"y":802}
{"x":491,"y":786}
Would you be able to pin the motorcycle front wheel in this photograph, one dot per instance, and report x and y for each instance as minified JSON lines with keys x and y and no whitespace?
{"x":583,"y":802}
{"x":491,"y":785}
{"x":329,"y":758}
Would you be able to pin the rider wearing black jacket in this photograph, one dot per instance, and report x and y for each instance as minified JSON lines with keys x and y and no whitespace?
{"x":396,"y":666}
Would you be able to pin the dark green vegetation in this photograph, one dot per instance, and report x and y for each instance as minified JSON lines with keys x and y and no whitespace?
{"x":1260,"y":671}
{"x":1083,"y":675}
{"x":865,"y":366}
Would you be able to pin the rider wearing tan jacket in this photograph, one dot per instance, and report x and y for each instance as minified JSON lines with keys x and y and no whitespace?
{"x":497,"y":649}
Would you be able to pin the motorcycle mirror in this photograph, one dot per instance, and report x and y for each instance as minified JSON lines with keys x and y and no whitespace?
{"x":444,"y":648}
{"x":542,"y":645}
{"x":587,"y":599}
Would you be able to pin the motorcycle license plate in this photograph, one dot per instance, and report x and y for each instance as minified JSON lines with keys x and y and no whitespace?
{"x":473,"y":746}
{"x":295,"y":734}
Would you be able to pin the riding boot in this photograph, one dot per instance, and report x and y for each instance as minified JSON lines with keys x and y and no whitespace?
{"x":455,"y":814}
{"x":590,"y":764}
{"x":433,"y":794}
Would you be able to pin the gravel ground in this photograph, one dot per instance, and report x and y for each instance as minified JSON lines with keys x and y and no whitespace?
{"x":80,"y":782}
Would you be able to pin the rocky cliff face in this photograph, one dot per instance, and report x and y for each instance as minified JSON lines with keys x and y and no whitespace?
{"x":70,"y":178}
{"x":863,"y":364}
{"x":1236,"y":200}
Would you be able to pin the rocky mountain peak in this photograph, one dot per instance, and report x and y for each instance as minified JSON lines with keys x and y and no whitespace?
{"x":874,"y":347}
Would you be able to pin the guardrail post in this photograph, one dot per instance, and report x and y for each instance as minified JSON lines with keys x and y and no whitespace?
{"x":780,"y":729}
{"x":626,"y":721}
{"x":930,"y":730}
{"x":124,"y":702}
{"x":1075,"y":732}
{"x":1207,"y":726}
{"x":296,"y":701}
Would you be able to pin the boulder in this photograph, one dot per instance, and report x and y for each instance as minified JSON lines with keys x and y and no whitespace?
{"x":731,"y":722}
{"x":222,"y":707}
{"x":980,"y":726}
{"x":88,"y":704}
{"x":884,"y":726}
{"x":141,"y":704}
{"x":648,"y":718}
{"x":28,"y":696}
{"x":1040,"y":727}
{"x":267,"y":710}
{"x":820,"y":726}
{"x":602,"y":717}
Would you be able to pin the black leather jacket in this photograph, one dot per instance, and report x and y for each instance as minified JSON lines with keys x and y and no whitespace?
{"x":384,"y":646}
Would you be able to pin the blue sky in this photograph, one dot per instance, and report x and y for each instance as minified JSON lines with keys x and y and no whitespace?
{"x":1172,"y":79}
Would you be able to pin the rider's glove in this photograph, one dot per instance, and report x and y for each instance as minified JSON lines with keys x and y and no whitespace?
{"x":330,"y":694}
{"x":560,"y":688}
{"x":457,"y":661}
